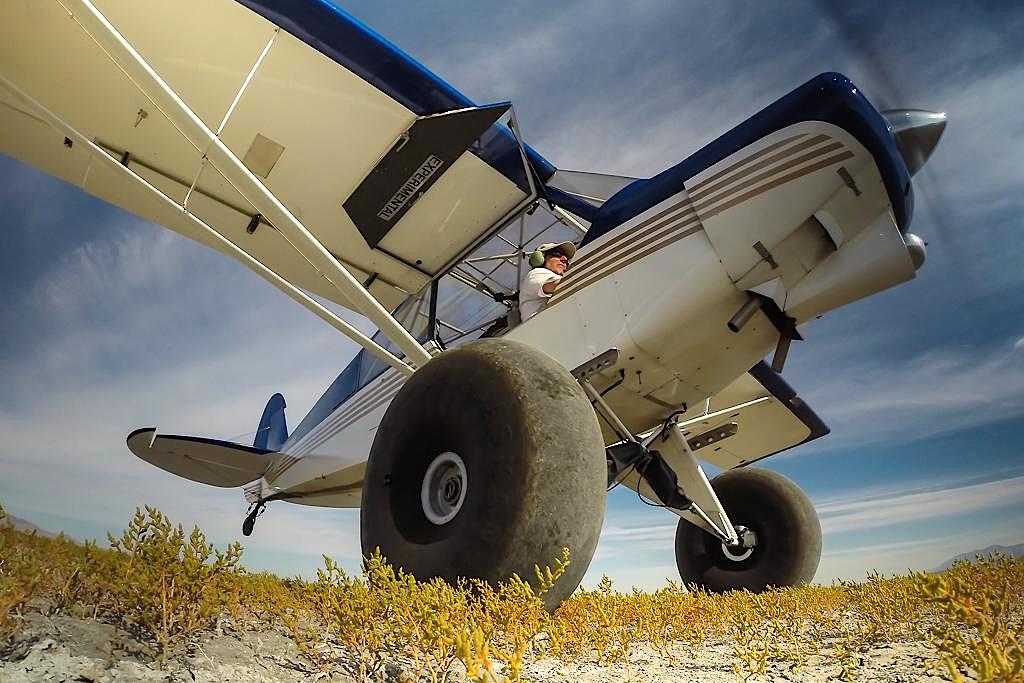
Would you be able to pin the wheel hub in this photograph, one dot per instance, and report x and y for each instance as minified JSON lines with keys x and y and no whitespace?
{"x":745,"y":548}
{"x":444,"y":488}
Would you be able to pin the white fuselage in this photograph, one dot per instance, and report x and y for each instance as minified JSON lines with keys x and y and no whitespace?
{"x":662,"y":286}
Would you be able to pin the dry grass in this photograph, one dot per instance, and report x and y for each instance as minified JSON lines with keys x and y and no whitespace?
{"x":156,"y":580}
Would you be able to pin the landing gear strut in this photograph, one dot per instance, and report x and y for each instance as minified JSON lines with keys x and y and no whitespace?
{"x":255,"y":510}
{"x":776,"y":539}
{"x":778,"y":528}
{"x":654,"y":473}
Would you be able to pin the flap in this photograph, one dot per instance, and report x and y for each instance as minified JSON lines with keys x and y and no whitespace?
{"x":768,"y":414}
{"x":413,"y":164}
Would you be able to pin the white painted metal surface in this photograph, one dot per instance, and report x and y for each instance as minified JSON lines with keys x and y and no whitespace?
{"x":242,"y":179}
{"x":658,"y":289}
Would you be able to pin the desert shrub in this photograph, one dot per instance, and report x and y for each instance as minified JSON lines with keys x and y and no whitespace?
{"x":168,"y":583}
{"x":885,"y":610}
{"x":602,"y":620}
{"x":345,"y":610}
{"x":768,"y":628}
{"x":20,"y":575}
{"x":386,"y":613}
{"x":75,"y":577}
{"x":982,"y":632}
{"x":505,"y":623}
{"x":63,"y":574}
{"x":497,"y":632}
{"x":263,"y":598}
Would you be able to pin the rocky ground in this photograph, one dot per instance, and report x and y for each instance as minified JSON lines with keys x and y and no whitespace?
{"x":65,"y":648}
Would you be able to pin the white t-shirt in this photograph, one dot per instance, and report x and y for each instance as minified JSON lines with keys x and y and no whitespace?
{"x":532,"y":296}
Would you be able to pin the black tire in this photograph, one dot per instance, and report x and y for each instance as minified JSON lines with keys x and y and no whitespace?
{"x":788,"y":533}
{"x":535,"y":471}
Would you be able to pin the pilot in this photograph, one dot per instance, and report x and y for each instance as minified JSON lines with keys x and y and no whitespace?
{"x":549,"y":262}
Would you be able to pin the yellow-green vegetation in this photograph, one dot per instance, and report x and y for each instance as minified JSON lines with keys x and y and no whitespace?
{"x":152,"y":578}
{"x":19,"y":576}
{"x":986,"y":598}
{"x":168,"y":583}
{"x":163,"y":584}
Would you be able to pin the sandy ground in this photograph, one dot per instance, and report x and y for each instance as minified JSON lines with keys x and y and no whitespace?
{"x":64,"y":648}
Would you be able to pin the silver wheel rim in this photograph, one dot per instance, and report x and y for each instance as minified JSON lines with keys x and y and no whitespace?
{"x":444,"y":488}
{"x":748,"y":541}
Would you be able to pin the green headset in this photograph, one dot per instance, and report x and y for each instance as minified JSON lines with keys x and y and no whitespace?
{"x":538,"y":257}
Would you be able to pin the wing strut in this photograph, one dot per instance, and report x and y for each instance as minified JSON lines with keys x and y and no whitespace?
{"x":230,"y":166}
{"x":256,"y":266}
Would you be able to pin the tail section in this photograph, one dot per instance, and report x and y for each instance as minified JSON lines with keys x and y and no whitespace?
{"x":273,"y":429}
{"x":221,"y":463}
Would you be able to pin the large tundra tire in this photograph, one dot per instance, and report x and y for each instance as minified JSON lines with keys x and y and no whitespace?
{"x":487,"y":462}
{"x":785,"y":527}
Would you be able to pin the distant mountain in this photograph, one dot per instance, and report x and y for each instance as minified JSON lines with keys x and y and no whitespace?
{"x":23,"y":525}
{"x":1009,"y":550}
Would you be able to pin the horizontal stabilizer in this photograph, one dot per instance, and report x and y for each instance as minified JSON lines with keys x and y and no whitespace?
{"x":207,"y":461}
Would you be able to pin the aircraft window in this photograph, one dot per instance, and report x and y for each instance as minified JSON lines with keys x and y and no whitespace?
{"x":478,"y":298}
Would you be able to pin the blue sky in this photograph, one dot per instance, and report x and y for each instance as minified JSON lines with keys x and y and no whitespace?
{"x":109,"y":323}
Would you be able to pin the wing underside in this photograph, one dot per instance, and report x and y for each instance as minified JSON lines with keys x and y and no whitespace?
{"x":756,"y":416}
{"x":312,"y":128}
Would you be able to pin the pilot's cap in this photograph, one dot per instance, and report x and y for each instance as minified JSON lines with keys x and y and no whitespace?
{"x":568,"y":248}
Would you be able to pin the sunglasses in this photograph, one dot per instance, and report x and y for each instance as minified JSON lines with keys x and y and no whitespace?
{"x":556,"y":253}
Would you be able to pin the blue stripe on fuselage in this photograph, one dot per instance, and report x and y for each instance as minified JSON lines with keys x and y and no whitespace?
{"x":829,"y":97}
{"x":344,"y":39}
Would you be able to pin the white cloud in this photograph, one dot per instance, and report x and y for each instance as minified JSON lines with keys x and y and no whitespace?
{"x":899,"y":557}
{"x":880,"y":512}
{"x":658,"y":532}
{"x":646,"y":578}
{"x":147,"y":328}
{"x":633,"y":552}
{"x":893,"y":488}
{"x":869,"y":399}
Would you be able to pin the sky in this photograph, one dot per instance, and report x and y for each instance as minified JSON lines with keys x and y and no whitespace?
{"x":109,"y":323}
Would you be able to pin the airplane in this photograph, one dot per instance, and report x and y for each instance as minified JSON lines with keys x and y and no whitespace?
{"x":475,"y":443}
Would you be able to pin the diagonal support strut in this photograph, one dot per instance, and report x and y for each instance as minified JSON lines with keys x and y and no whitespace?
{"x":256,"y":266}
{"x":231,"y":167}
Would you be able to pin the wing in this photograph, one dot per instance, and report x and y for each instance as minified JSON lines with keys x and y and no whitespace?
{"x":757,"y":415}
{"x":342,"y":133}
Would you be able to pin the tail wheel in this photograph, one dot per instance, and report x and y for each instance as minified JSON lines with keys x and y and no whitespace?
{"x":778,"y":526}
{"x":487,"y":462}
